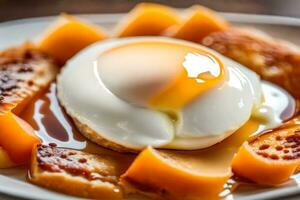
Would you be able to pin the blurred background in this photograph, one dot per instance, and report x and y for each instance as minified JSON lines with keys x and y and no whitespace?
{"x":15,"y":9}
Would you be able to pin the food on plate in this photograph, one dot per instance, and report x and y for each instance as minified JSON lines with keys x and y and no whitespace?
{"x":5,"y":161}
{"x":272,"y":157}
{"x":24,"y":73}
{"x":212,"y":163}
{"x":136,"y":83}
{"x":147,"y":19}
{"x":164,"y":115}
{"x":273,"y":60}
{"x":157,"y":172}
{"x":68,"y":35}
{"x":74,"y":172}
{"x":198,"y":22}
{"x":15,"y":132}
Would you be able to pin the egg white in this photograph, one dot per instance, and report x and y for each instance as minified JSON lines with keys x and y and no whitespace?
{"x":205,"y":121}
{"x":85,"y":97}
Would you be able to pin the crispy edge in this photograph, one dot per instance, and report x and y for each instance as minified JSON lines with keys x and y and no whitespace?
{"x":274,"y":60}
{"x":70,"y":184}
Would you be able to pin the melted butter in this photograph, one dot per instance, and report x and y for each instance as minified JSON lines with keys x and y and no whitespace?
{"x":47,"y":117}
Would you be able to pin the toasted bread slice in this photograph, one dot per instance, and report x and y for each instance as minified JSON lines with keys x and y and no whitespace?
{"x":74,"y":172}
{"x":274,"y":60}
{"x":24,"y":71}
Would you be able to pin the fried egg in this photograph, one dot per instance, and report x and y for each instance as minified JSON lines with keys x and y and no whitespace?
{"x":160,"y":92}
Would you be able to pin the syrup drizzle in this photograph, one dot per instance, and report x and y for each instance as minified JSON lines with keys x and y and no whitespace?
{"x":47,"y":117}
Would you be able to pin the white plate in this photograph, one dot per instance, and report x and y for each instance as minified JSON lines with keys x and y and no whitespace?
{"x":12,"y":181}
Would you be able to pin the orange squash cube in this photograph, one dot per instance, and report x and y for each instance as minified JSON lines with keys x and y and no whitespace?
{"x":146,"y":19}
{"x":271,"y":158}
{"x":198,"y":23}
{"x":170,"y":178}
{"x":67,"y":36}
{"x":17,"y":137}
{"x":5,"y":161}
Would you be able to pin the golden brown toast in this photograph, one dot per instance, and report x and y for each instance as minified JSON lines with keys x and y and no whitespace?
{"x":274,"y":60}
{"x":74,"y":172}
{"x":24,"y":71}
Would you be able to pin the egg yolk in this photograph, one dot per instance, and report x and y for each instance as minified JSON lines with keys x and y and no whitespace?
{"x":200,"y":71}
{"x":161,"y":75}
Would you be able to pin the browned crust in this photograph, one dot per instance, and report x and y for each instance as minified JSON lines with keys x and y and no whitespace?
{"x":286,"y":137}
{"x":24,"y":71}
{"x":273,"y":60}
{"x":52,"y":172}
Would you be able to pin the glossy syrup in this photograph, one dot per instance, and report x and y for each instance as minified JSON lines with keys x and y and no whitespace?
{"x":52,"y":125}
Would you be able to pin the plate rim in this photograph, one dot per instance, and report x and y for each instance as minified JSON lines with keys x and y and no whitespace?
{"x":231,"y":16}
{"x":113,"y":17}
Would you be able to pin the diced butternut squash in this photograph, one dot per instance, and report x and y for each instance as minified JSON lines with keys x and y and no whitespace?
{"x":159,"y":172}
{"x":5,"y":161}
{"x":271,"y":158}
{"x":17,"y":137}
{"x":146,"y":19}
{"x":67,"y":36}
{"x":198,"y":23}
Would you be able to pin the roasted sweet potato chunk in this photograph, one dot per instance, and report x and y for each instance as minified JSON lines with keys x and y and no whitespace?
{"x":198,"y":23}
{"x":16,"y":137}
{"x":5,"y":161}
{"x":270,"y":158}
{"x":160,"y":173}
{"x":146,"y":19}
{"x":68,"y":35}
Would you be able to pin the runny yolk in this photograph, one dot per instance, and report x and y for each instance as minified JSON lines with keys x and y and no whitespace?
{"x":200,"y":71}
{"x":163,"y":75}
